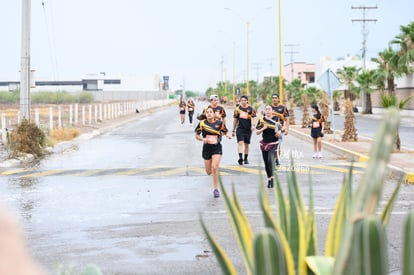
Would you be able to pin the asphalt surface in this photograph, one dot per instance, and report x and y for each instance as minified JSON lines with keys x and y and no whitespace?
{"x":130,"y":198}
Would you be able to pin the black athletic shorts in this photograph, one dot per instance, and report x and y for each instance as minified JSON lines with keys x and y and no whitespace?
{"x":316,"y":132}
{"x":244,"y":135}
{"x":211,"y":149}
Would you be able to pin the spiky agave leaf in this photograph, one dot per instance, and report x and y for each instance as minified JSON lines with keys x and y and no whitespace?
{"x":270,"y":223}
{"x":282,"y":206}
{"x":270,"y":254}
{"x":297,"y":222}
{"x":367,"y":196}
{"x":241,"y":227}
{"x":386,"y":211}
{"x":408,"y":245}
{"x":339,"y":216}
{"x":320,"y":265}
{"x":266,"y":208}
{"x":311,"y":239}
{"x":224,"y":261}
{"x":368,"y":248}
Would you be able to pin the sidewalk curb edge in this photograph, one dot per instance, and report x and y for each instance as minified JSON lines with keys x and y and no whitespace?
{"x":407,"y":176}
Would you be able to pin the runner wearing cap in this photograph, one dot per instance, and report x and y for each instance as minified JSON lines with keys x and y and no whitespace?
{"x":218,"y":110}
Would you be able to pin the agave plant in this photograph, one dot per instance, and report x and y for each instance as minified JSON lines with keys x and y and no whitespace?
{"x":355,"y":241}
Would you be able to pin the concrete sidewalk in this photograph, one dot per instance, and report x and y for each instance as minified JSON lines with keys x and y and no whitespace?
{"x":401,"y":163}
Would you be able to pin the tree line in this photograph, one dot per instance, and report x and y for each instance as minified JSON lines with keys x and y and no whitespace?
{"x":396,"y":60}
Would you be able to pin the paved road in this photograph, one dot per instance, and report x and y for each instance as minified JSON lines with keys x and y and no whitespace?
{"x":130,"y":200}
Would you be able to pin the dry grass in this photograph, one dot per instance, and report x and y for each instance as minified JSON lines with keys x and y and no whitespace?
{"x":63,"y":134}
{"x":26,"y":138}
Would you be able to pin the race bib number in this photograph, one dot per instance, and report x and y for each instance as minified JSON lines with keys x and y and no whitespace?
{"x":211,"y":139}
{"x":190,"y":109}
{"x":182,"y":109}
{"x":316,"y":124}
{"x":244,"y":115}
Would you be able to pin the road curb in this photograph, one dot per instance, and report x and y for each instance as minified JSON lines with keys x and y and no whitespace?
{"x":407,"y":176}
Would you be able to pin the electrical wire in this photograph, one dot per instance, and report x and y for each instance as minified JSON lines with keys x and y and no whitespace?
{"x":51,"y":42}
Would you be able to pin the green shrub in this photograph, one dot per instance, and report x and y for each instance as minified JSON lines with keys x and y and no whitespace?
{"x":43,"y":97}
{"x":9,"y":97}
{"x":85,"y":97}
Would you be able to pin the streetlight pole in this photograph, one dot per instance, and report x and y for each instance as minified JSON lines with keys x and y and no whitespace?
{"x":280,"y":56}
{"x":247,"y":44}
{"x":247,"y":58}
{"x":234,"y":74}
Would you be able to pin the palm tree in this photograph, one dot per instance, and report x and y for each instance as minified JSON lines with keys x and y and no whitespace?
{"x":305,"y":109}
{"x":393,"y":64}
{"x":292,"y":118}
{"x":324,"y":107}
{"x":336,"y":96}
{"x":387,"y":70}
{"x":350,"y":132}
{"x":389,"y":101}
{"x":295,"y":91}
{"x":348,"y":75}
{"x":254,"y":91}
{"x":314,"y":94}
{"x":266,"y":89}
{"x":405,"y":41}
{"x":295,"y":88}
{"x":365,"y":81}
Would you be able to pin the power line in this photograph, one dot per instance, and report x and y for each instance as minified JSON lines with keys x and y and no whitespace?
{"x":364,"y":21}
{"x":51,"y":42}
{"x":257,"y":66}
{"x":291,"y":52}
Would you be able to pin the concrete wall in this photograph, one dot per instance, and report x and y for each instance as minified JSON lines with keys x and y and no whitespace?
{"x":401,"y":93}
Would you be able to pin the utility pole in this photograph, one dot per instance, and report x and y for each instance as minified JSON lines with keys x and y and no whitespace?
{"x":247,"y":43}
{"x":364,"y":21}
{"x":257,"y":66}
{"x":25,"y":62}
{"x":233,"y":90}
{"x":291,"y":52}
{"x":221,"y":68}
{"x":223,"y":77}
{"x":271,"y":68}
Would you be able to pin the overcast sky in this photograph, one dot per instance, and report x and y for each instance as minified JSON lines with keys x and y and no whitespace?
{"x":191,"y":41}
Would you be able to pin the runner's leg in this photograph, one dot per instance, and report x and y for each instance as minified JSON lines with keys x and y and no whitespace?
{"x":207,"y":166}
{"x":215,"y":162}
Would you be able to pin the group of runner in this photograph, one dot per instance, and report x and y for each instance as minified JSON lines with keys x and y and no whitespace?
{"x":190,"y":108}
{"x":212,"y":126}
